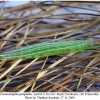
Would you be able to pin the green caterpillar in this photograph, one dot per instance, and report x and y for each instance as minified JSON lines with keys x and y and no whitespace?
{"x":48,"y":49}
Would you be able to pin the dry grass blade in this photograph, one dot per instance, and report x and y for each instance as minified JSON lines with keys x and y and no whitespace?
{"x":92,"y":62}
{"x":26,"y":66}
{"x":7,"y":71}
{"x":24,"y":88}
{"x":53,"y":65}
{"x":38,"y":75}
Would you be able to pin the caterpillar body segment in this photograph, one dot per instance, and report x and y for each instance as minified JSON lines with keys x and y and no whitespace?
{"x":48,"y":49}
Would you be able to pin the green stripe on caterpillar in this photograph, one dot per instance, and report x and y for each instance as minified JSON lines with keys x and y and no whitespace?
{"x":48,"y":49}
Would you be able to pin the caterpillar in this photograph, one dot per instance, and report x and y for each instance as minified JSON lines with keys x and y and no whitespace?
{"x":48,"y":49}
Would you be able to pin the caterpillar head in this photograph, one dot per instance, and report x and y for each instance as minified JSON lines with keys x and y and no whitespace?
{"x":90,"y":42}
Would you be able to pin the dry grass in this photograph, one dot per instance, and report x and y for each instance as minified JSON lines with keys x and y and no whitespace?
{"x":21,"y":26}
